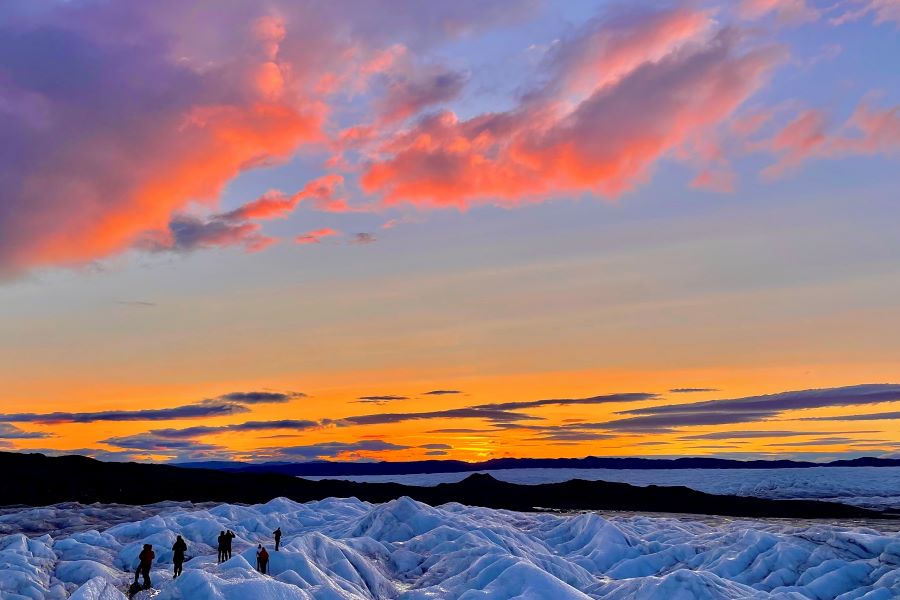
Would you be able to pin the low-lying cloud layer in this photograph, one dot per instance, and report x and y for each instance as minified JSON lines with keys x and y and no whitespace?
{"x":499,"y":418}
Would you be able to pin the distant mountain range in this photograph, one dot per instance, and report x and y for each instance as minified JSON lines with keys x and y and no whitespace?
{"x":38,"y":480}
{"x":334,"y":469}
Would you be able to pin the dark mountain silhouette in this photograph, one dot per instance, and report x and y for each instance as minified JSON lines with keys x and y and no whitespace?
{"x":333,"y":469}
{"x":35,"y":479}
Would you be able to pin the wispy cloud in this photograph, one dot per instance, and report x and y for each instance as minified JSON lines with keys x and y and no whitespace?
{"x":869,"y":131}
{"x":832,"y":441}
{"x":191,"y":433}
{"x":567,"y":435}
{"x":462,"y":430}
{"x":752,"y":408}
{"x":604,"y":399}
{"x":486,"y":414}
{"x":11,"y":432}
{"x":380,"y":399}
{"x":729,"y":435}
{"x":864,"y":417}
{"x":225,"y":405}
{"x":336,"y":449}
{"x":363,"y":238}
{"x":315,"y":236}
{"x":152,"y":443}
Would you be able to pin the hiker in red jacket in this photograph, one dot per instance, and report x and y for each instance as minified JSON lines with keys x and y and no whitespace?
{"x":262,"y":559}
{"x":146,"y":557}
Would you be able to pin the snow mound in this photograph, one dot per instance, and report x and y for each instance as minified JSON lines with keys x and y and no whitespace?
{"x":345,"y":549}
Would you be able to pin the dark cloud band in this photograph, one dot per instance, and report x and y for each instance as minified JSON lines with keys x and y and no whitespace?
{"x":225,"y":405}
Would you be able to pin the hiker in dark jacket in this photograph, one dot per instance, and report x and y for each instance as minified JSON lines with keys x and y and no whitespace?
{"x":178,"y":551}
{"x":222,"y":545}
{"x":146,"y":561}
{"x":277,"y":534}
{"x":229,"y":538}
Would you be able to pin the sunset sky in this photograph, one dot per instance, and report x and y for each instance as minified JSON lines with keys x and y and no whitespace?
{"x":291,"y":230}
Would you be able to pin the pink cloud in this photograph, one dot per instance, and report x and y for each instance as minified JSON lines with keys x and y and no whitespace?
{"x":722,"y":181}
{"x":410,"y":91}
{"x":797,"y":141}
{"x":607,"y":50}
{"x":786,"y":11}
{"x":314,"y":237}
{"x":884,"y":11}
{"x":750,"y":123}
{"x":868,"y":131}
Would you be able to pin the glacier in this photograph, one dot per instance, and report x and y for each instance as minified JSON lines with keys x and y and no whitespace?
{"x":867,"y":487}
{"x":346,"y":549}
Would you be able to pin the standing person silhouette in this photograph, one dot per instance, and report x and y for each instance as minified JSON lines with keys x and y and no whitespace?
{"x":262,"y":559}
{"x":229,"y":537}
{"x":178,"y":551}
{"x":277,"y":534}
{"x":222,"y":545}
{"x":146,"y":561}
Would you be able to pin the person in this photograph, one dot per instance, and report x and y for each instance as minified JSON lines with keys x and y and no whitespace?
{"x":146,"y":561}
{"x":222,"y":542}
{"x":262,"y":559}
{"x":277,"y":534}
{"x":229,"y":537}
{"x":178,"y":551}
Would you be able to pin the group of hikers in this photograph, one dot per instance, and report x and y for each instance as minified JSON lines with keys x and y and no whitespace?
{"x":224,"y":539}
{"x":179,"y":549}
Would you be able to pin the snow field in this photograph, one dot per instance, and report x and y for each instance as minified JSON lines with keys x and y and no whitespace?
{"x":345,"y":549}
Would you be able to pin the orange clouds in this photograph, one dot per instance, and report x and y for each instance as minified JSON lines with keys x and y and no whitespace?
{"x":321,"y":192}
{"x":97,"y":160}
{"x":607,"y":143}
{"x":124,"y":153}
{"x":125,"y":115}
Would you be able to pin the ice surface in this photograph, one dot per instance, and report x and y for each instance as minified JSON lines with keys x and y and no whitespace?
{"x":405,"y":550}
{"x":873,"y":487}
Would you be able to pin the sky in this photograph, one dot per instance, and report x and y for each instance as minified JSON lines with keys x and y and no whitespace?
{"x":398,"y":230}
